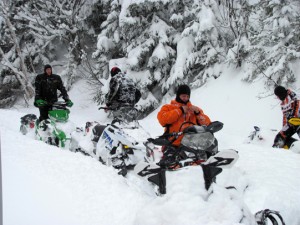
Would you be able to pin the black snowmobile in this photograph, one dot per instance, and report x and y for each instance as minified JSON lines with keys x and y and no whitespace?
{"x":198,"y":147}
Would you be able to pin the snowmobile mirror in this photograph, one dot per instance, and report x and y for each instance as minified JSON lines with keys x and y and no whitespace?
{"x":256,"y":128}
{"x":214,"y":126}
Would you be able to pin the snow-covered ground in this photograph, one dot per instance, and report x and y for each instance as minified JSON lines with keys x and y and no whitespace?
{"x":43,"y":184}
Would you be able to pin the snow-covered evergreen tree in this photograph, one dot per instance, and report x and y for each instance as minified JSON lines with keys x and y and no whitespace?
{"x":59,"y":23}
{"x":146,"y":34}
{"x":275,"y":46}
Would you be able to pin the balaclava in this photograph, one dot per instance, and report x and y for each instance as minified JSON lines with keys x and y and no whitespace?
{"x":182,"y":89}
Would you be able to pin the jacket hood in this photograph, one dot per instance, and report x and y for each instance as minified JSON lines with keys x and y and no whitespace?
{"x":46,"y":67}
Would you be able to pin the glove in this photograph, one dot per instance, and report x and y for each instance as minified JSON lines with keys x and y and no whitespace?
{"x":69,"y":103}
{"x":40,"y":103}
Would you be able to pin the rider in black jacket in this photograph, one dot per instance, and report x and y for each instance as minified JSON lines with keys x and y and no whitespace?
{"x":122,"y":95}
{"x":46,"y":86}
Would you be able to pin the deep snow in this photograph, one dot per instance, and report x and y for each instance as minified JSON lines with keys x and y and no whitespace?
{"x":46,"y":185}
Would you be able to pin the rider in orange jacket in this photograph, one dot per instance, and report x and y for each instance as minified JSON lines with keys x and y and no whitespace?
{"x":180,"y":114}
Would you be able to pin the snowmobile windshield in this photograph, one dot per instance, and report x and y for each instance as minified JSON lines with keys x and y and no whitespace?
{"x":198,"y":141}
{"x":59,"y":115}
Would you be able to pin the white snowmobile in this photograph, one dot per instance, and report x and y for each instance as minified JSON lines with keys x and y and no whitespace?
{"x":54,"y":131}
{"x":118,"y":144}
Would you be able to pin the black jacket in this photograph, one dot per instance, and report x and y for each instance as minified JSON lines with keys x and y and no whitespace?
{"x":122,"y":91}
{"x":46,"y":88}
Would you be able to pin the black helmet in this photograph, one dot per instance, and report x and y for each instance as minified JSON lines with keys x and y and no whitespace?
{"x":115,"y":70}
{"x":280,"y":92}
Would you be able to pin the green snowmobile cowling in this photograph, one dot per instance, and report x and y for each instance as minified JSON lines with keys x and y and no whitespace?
{"x":62,"y":138}
{"x":59,"y":115}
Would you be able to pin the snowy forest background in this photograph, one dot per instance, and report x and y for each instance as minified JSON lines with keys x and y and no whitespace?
{"x":162,"y":43}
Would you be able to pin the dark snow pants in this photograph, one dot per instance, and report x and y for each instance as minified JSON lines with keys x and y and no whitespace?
{"x":44,"y":112}
{"x":285,"y":137}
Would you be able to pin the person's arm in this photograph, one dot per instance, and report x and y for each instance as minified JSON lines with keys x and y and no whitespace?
{"x":202,"y":119}
{"x":138,"y":96}
{"x":295,"y":104}
{"x":113,"y":89}
{"x":293,"y":109}
{"x":284,"y":121}
{"x":169,"y":115}
{"x":37,"y":87}
{"x":296,"y":108}
{"x":62,"y":89}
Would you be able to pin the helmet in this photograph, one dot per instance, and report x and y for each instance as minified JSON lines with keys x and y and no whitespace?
{"x":115,"y":70}
{"x":280,"y":92}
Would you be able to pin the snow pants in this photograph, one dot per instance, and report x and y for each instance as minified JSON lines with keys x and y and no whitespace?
{"x":284,"y":138}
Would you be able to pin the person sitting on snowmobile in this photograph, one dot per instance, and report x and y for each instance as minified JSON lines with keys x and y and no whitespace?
{"x":122,"y":95}
{"x":290,"y":106}
{"x":46,"y":86}
{"x":180,"y":114}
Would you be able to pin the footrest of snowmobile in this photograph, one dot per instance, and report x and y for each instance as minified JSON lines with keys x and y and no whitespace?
{"x":154,"y":174}
{"x":209,"y":174}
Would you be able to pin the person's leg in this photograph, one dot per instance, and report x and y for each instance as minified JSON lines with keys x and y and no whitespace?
{"x":284,"y":139}
{"x":289,"y":141}
{"x":44,"y":113}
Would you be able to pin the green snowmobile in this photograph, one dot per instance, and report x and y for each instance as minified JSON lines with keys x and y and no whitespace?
{"x":55,"y":131}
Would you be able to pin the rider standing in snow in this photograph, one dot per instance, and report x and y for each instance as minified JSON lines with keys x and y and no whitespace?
{"x":180,"y":114}
{"x":122,"y":95}
{"x":290,"y":106}
{"x":46,"y":86}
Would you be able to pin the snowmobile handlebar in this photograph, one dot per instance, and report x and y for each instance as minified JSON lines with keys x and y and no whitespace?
{"x":114,"y":108}
{"x":58,"y":105}
{"x":163,"y":139}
